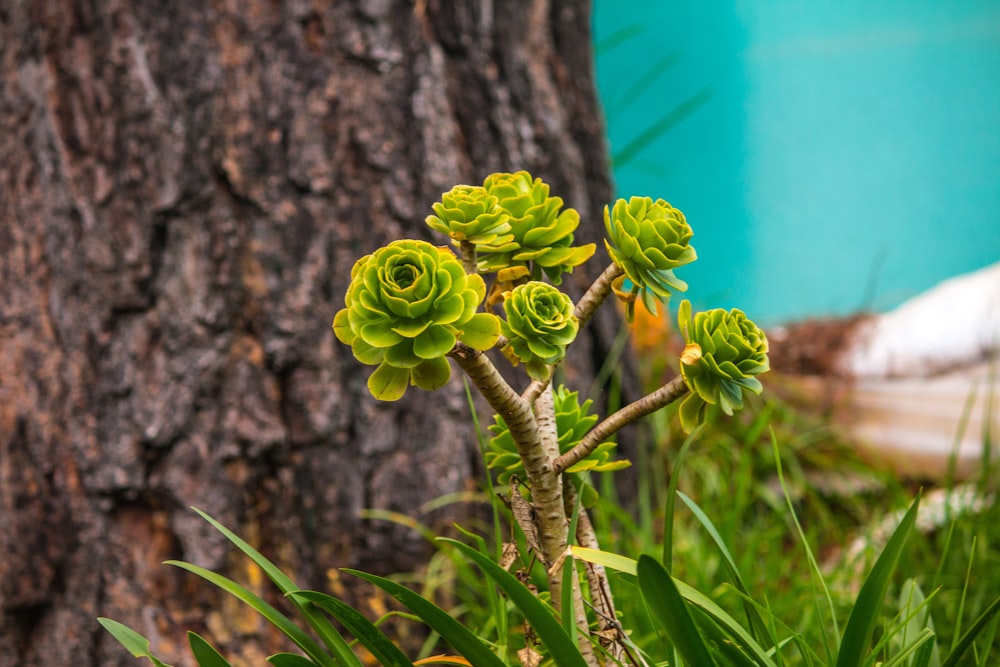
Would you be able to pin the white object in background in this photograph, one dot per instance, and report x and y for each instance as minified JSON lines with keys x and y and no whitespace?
{"x":956,"y":323}
{"x":926,"y":378}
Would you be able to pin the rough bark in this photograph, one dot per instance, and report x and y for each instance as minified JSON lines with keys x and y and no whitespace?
{"x":184,"y":187}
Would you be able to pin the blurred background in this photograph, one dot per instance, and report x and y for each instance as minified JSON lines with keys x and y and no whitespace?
{"x":831,"y":158}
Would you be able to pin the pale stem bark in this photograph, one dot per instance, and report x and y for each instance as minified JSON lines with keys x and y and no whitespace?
{"x":469,"y":256}
{"x":545,"y":417}
{"x":663,"y":396}
{"x":596,"y":294}
{"x":546,"y":488}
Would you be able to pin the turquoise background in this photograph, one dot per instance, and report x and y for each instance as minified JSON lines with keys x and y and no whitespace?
{"x":839,"y":156}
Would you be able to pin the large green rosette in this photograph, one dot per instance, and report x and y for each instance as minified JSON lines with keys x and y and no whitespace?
{"x":407,"y":305}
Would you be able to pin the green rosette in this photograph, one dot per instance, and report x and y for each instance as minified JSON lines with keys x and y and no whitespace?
{"x":468,"y":213}
{"x":539,"y":325}
{"x":407,"y":305}
{"x":724,"y":353}
{"x":541,"y":228}
{"x":648,"y":240}
{"x":573,"y":421}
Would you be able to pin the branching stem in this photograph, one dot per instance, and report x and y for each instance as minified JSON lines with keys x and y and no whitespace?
{"x":597,"y":293}
{"x":649,"y":403}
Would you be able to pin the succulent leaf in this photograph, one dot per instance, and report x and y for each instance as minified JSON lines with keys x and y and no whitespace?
{"x":724,"y":353}
{"x":405,"y":308}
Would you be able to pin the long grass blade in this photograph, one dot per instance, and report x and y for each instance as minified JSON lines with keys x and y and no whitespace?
{"x":756,"y":623}
{"x":562,"y":648}
{"x":868,"y":607}
{"x":273,"y":616}
{"x":810,"y":557}
{"x":387,"y":654}
{"x":668,"y":510}
{"x":341,"y":651}
{"x":670,"y":611}
{"x":452,"y":631}
{"x":965,"y":642}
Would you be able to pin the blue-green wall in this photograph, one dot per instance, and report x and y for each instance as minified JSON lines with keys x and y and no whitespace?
{"x":847,"y":155}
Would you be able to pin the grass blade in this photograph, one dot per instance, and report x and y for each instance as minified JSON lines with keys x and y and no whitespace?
{"x":868,"y":606}
{"x":457,"y":635}
{"x":562,"y":648}
{"x":757,"y":626}
{"x":205,"y":653}
{"x":737,"y":634}
{"x":290,"y":660}
{"x":341,"y":651}
{"x":387,"y":654}
{"x":133,"y":642}
{"x":273,"y":616}
{"x":970,"y":635}
{"x":668,"y":510}
{"x":670,"y":611}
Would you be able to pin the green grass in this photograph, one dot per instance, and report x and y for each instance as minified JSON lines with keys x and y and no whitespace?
{"x":730,"y":473}
{"x":830,"y":500}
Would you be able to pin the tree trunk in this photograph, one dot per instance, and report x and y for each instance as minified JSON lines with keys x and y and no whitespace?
{"x":184,"y":188}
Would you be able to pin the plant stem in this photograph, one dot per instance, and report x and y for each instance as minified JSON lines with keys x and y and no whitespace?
{"x":596,"y":294}
{"x":663,"y":396}
{"x":469,"y":256}
{"x":546,"y":488}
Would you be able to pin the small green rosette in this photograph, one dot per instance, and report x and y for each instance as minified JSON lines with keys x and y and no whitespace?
{"x":468,"y":213}
{"x":407,"y":305}
{"x":724,"y":353}
{"x":648,"y":239}
{"x":539,"y":325}
{"x":542,"y":229}
{"x":573,"y":421}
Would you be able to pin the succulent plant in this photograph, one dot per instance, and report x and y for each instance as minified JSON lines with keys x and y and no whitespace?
{"x":724,"y":352}
{"x":648,"y":240}
{"x":542,"y":230}
{"x":469,"y":213}
{"x":573,"y":421}
{"x":539,"y":325}
{"x":406,"y":306}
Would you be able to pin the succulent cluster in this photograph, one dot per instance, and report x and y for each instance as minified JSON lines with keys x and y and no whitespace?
{"x":573,"y":421}
{"x":648,"y":240}
{"x":724,"y":352}
{"x":539,"y":325}
{"x":542,"y":229}
{"x":407,"y":305}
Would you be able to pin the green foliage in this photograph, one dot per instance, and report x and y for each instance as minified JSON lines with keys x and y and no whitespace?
{"x":573,"y":421}
{"x":542,"y":230}
{"x":539,"y":325}
{"x":724,"y":353}
{"x":648,"y":240}
{"x":407,"y":305}
{"x":468,"y":213}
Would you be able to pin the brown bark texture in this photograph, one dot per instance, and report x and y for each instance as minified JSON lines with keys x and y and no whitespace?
{"x":184,"y":187}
